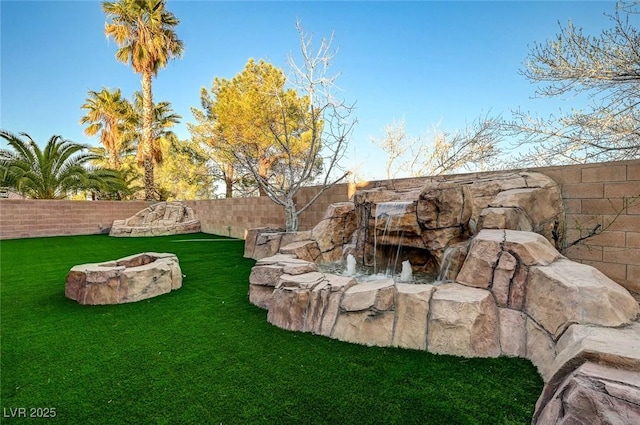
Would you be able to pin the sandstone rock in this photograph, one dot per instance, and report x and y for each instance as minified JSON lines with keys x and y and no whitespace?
{"x":443,"y":205}
{"x":615,"y":347}
{"x":162,"y":218}
{"x":267,"y":244}
{"x":594,"y":378}
{"x":541,"y":349}
{"x":502,"y":277}
{"x":367,"y":327}
{"x":288,"y":308}
{"x":543,"y":206}
{"x":517,"y":288}
{"x":452,"y":260}
{"x":396,"y":218}
{"x":336,"y":227}
{"x":304,"y":281}
{"x":529,"y":248}
{"x":261,"y":296}
{"x":331,"y":256}
{"x":276,"y":259}
{"x":129,"y":279}
{"x":375,"y":196}
{"x":268,"y":275}
{"x":367,"y":295}
{"x":593,"y":394}
{"x":513,"y":332}
{"x":463,"y":321}
{"x":504,"y":218}
{"x":565,"y":293}
{"x":412,"y":309}
{"x":298,"y":266}
{"x":304,"y":250}
{"x":324,"y":303}
{"x":482,"y":258}
{"x":437,"y":240}
{"x":482,"y":191}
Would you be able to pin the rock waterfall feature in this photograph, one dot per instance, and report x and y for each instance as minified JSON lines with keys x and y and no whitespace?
{"x":504,"y":289}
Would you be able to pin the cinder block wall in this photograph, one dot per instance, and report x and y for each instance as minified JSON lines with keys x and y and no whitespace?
{"x":27,"y":218}
{"x":605,"y":194}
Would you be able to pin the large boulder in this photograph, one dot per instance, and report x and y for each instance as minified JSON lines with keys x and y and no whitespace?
{"x":324,"y":303}
{"x":490,"y":245}
{"x":335,"y":230}
{"x":366,"y":314}
{"x":594,"y":379}
{"x":267,"y":273}
{"x":412,"y":310}
{"x":463,"y":321}
{"x":596,"y":395}
{"x":564,"y":293}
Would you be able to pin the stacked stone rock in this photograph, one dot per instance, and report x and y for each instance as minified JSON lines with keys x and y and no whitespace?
{"x":514,"y":295}
{"x":160,"y":219}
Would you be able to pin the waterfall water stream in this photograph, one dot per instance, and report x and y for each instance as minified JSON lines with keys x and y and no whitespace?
{"x":389,"y":213}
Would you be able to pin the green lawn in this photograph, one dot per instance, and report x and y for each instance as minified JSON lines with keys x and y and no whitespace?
{"x":204,"y":355}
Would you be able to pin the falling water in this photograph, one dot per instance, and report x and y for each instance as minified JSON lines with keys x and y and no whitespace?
{"x":445,"y":266}
{"x":391,"y":213}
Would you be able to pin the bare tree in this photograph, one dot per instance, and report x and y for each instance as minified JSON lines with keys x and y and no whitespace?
{"x":606,"y":68}
{"x":396,"y":144}
{"x":476,"y":147}
{"x":308,"y":144}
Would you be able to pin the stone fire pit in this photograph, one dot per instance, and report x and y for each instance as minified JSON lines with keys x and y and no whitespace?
{"x":126,"y":280}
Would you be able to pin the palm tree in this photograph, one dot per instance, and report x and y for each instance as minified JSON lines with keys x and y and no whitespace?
{"x":145,"y":33}
{"x":53,"y":172}
{"x":163,"y":119}
{"x":107,"y":113}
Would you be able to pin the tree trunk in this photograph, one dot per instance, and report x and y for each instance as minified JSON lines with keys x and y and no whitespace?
{"x":149,"y":186}
{"x":291,"y":215}
{"x":147,"y":136}
{"x":263,"y":169}
{"x":228,"y":181}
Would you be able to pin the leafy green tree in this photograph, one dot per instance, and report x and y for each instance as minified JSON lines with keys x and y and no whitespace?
{"x":53,"y":172}
{"x":605,"y":68}
{"x":184,"y":173}
{"x":145,"y":33}
{"x":284,"y":132}
{"x":210,"y":142}
{"x":107,"y":112}
{"x":240,"y":116}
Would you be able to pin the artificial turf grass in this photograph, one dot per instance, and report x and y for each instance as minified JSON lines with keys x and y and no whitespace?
{"x":204,"y":354}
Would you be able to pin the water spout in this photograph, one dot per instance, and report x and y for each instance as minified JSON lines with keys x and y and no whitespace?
{"x":351,"y":265}
{"x":407,"y":272}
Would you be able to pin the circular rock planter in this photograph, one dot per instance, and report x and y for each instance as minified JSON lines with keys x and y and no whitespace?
{"x":126,"y":280}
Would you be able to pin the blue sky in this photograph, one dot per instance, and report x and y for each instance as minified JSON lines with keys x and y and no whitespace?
{"x":426,"y":62}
